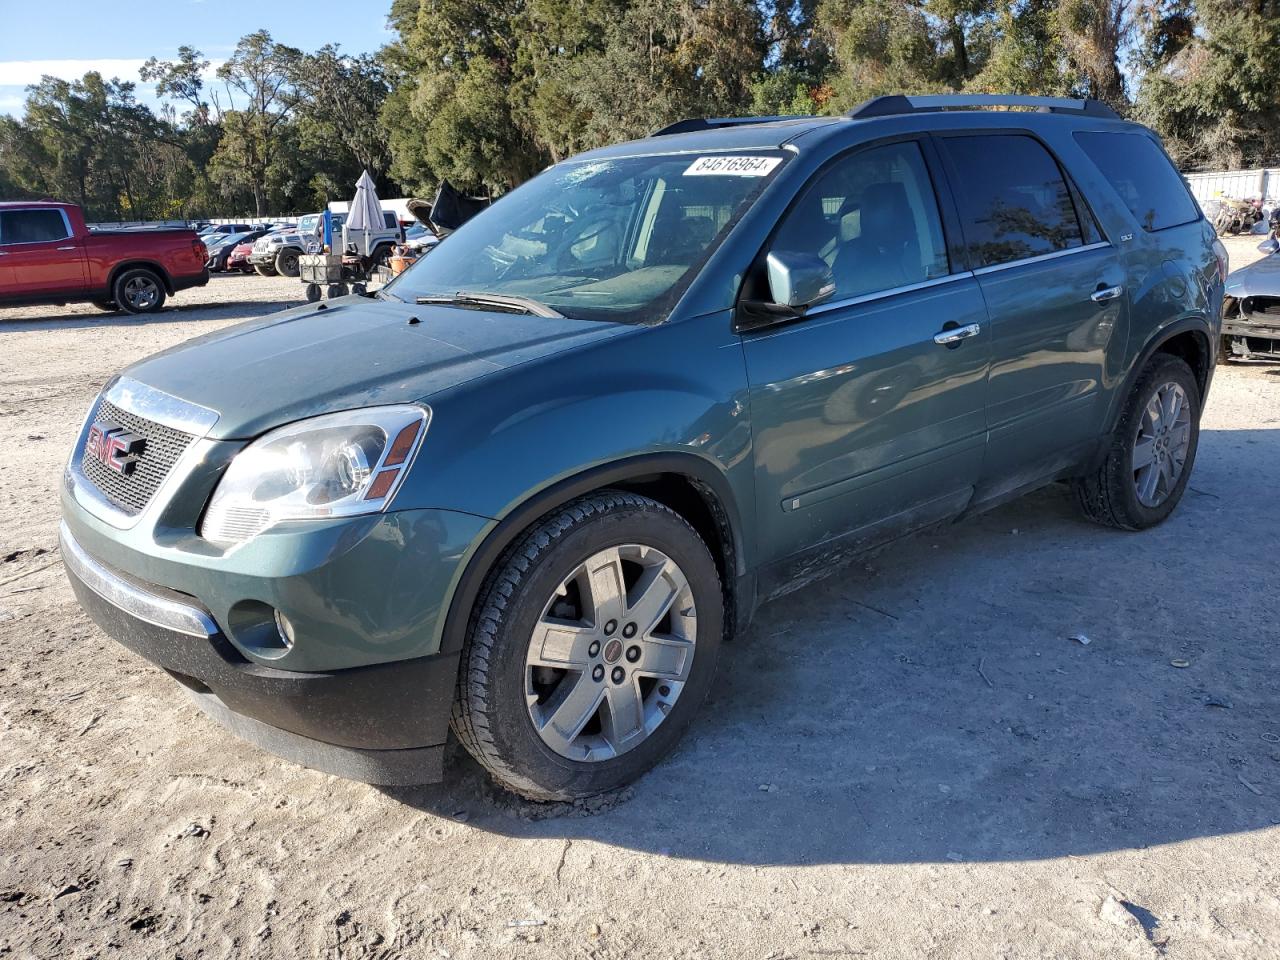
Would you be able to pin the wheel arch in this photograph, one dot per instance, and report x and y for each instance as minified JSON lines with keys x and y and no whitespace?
{"x":687,"y":484}
{"x":151,"y":265}
{"x":1191,"y":339}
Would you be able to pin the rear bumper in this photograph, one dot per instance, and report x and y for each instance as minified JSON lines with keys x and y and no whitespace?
{"x":191,"y":280}
{"x":385,"y":724}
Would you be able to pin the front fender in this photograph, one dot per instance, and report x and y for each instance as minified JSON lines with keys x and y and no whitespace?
{"x":515,"y":445}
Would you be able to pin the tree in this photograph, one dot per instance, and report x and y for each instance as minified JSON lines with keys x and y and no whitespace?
{"x":1213,"y":98}
{"x":1093,"y":33}
{"x":261,"y":70}
{"x":341,"y":96}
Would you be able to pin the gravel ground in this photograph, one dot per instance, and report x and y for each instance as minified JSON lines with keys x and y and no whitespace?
{"x":910,"y":759}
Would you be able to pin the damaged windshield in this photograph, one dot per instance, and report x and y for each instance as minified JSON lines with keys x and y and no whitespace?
{"x":598,"y":239}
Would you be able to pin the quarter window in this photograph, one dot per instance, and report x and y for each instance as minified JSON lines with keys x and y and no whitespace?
{"x":1142,"y":175}
{"x":1013,"y":199}
{"x":32,"y":226}
{"x":873,"y":217}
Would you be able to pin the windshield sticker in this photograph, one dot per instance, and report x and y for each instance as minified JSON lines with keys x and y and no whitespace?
{"x":727,"y":166}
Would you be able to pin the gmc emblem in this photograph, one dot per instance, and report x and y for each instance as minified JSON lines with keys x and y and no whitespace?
{"x":114,"y":446}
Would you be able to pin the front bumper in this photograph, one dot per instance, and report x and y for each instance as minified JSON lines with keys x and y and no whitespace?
{"x":1248,"y":338}
{"x":384,"y":724}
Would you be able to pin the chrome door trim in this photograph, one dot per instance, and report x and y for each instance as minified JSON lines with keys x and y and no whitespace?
{"x":945,"y":338}
{"x":158,"y":611}
{"x":884,"y":294}
{"x":1071,"y":251}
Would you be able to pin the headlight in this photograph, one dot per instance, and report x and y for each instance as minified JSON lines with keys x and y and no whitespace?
{"x":337,"y":465}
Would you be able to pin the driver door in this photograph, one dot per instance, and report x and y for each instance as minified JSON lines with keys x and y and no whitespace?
{"x":868,"y":412}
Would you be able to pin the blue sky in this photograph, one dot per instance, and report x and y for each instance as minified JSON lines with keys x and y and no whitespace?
{"x":66,"y":38}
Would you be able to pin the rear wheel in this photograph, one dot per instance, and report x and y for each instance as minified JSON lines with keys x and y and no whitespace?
{"x":591,"y":648}
{"x":138,"y":291}
{"x":1152,"y":450}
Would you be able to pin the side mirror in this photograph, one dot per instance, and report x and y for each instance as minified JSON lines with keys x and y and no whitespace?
{"x":1269,"y":245}
{"x":798,"y":280}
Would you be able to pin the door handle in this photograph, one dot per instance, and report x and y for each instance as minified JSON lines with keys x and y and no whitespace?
{"x":1106,"y":293}
{"x":948,"y":337}
{"x":66,"y":248}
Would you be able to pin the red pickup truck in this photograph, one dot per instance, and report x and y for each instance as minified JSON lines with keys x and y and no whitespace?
{"x":48,"y":255}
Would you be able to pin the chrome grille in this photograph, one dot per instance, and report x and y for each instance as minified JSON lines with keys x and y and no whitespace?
{"x":161,"y":449}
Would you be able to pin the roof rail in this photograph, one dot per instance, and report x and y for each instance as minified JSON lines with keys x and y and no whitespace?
{"x":712,"y":123}
{"x":894,"y":105}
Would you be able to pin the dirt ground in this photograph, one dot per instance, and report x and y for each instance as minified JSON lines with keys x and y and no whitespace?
{"x":910,"y":759}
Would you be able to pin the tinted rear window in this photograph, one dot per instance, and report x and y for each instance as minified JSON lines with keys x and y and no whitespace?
{"x":32,"y":226}
{"x":1013,"y":199}
{"x":1142,"y":175}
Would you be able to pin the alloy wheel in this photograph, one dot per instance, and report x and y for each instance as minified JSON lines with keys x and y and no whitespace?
{"x":611,"y":653}
{"x":141,"y":292}
{"x":1161,"y":446}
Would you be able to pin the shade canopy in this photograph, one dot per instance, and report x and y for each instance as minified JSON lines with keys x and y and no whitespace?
{"x":366,"y":210}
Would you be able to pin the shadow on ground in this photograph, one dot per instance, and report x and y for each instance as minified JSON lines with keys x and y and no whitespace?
{"x":929,"y":704}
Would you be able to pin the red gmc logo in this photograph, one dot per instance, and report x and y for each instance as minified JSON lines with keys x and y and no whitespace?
{"x":114,"y":446}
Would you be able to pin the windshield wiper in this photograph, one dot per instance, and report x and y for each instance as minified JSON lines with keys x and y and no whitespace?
{"x":502,"y":301}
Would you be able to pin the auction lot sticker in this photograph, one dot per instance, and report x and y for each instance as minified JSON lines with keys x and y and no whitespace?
{"x":732,"y":166}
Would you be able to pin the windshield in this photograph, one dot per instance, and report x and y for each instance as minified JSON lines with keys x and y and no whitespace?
{"x":309,"y":224}
{"x":598,"y":240}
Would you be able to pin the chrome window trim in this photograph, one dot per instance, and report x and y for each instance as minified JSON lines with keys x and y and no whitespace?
{"x":883,"y":294}
{"x":158,"y":611}
{"x":996,"y":267}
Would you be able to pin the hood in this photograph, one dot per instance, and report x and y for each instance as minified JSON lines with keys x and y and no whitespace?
{"x":358,"y":352}
{"x":1260,"y":278}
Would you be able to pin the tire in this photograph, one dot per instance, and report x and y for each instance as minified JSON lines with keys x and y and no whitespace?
{"x":1113,"y":495}
{"x":107,"y":306}
{"x":313,"y":292}
{"x":492,"y":716}
{"x":264,"y":269}
{"x":287,"y":263}
{"x":138,"y":291}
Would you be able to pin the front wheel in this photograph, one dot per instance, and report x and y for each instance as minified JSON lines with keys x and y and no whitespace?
{"x":287,"y":263}
{"x":1151,"y":452}
{"x":264,"y":269}
{"x":138,"y":291}
{"x":591,"y":648}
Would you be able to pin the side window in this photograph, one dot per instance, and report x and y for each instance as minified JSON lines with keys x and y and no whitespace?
{"x":1013,"y":199}
{"x":1142,"y":175}
{"x":873,"y":217}
{"x":32,"y":226}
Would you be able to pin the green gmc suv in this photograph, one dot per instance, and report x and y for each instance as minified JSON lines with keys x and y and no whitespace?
{"x":527,"y":489}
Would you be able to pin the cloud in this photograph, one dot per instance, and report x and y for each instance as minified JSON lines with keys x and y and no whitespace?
{"x":22,"y":73}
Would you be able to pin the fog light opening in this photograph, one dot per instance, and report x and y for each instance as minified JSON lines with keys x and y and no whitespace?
{"x":286,"y":630}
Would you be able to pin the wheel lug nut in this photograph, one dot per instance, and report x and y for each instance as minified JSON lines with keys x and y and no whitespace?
{"x":594,"y":648}
{"x":618,"y":674}
{"x":633,"y":654}
{"x":664,"y":690}
{"x":611,"y":626}
{"x":598,"y":673}
{"x":629,"y":630}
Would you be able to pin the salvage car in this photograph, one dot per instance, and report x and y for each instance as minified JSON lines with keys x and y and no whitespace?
{"x":527,"y":489}
{"x":1251,"y":309}
{"x":49,"y":255}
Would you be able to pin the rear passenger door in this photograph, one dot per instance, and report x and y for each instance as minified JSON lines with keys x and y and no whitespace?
{"x":1055,"y":293}
{"x":38,"y":253}
{"x":868,"y":412}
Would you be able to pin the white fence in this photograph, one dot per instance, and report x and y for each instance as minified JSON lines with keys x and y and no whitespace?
{"x":1238,"y":184}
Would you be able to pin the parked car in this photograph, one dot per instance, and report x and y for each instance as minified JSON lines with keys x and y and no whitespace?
{"x":219,"y":228}
{"x":1251,"y":308}
{"x":48,"y":255}
{"x":220,"y":249}
{"x":528,"y":487}
{"x":278,"y":252}
{"x":419,"y":239}
{"x":238,"y":258}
